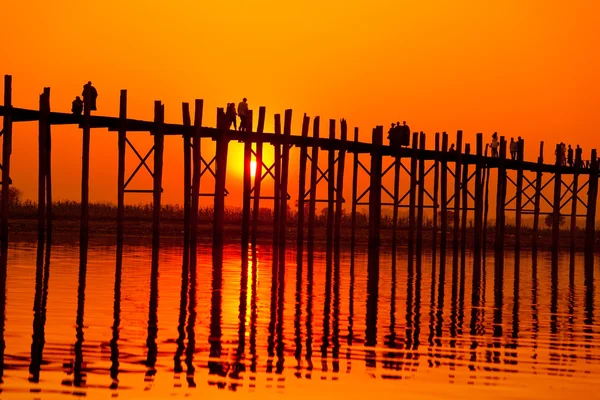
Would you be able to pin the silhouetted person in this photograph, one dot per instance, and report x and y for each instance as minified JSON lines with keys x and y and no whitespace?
{"x":77,"y":106}
{"x":392,"y":134}
{"x":513,"y":149}
{"x":452,"y":149}
{"x":578,"y":151}
{"x":495,"y":144}
{"x":570,"y":156}
{"x":243,"y":113}
{"x":231,"y":116}
{"x":405,"y":136}
{"x":93,"y":93}
{"x":563,"y":156}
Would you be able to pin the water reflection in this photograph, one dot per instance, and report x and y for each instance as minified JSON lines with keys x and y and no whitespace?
{"x":335,"y":317}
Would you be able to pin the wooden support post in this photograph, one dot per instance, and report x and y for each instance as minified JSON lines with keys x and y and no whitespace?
{"x":556,"y":202}
{"x":537,"y":197}
{"x":159,"y":140}
{"x":247,"y":187}
{"x":421,"y":194}
{"x":302,"y":187}
{"x":6,"y":153}
{"x":85,"y":169}
{"x":312,"y":201}
{"x":397,"y":161}
{"x":478,"y":212}
{"x":375,"y":197}
{"x":285,"y":166}
{"x":574,"y":200}
{"x":413,"y":195}
{"x":187,"y":180}
{"x":519,"y":193}
{"x":590,"y":223}
{"x":444,"y":198}
{"x":457,"y":175}
{"x":42,"y":163}
{"x":436,"y":182}
{"x":195,"y":181}
{"x":465,"y":203}
{"x":487,"y":202}
{"x":277,"y":182}
{"x":48,"y":174}
{"x":221,"y":177}
{"x":258,"y":173}
{"x":330,"y":186}
{"x":501,"y":194}
{"x":340,"y":187}
{"x":354,"y":193}
{"x":121,"y":167}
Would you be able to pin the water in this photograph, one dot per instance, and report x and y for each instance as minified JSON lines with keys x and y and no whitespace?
{"x":425,"y":331}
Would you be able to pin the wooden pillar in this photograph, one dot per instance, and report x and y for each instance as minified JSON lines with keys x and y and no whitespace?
{"x":48,"y":174}
{"x":247,"y":187}
{"x":42,"y":163}
{"x":354,"y":193}
{"x":465,"y":203}
{"x":556,"y":202}
{"x":302,"y":186}
{"x":421,"y":194}
{"x":187,"y":180}
{"x":397,"y":161}
{"x":159,"y":140}
{"x":436,"y":182}
{"x":574,"y":200}
{"x":258,"y":173}
{"x":195,"y":180}
{"x":590,"y":223}
{"x":330,"y":186}
{"x":221,"y":177}
{"x":444,"y":197}
{"x":537,"y":196}
{"x":285,"y":166}
{"x":519,"y":193}
{"x":457,"y":170}
{"x":85,"y":168}
{"x":501,"y":198}
{"x":277,"y":182}
{"x":486,"y":172}
{"x":340,"y":187}
{"x":478,"y":212}
{"x":121,"y":166}
{"x":6,"y":153}
{"x":413,"y":195}
{"x":375,"y":196}
{"x":312,"y":201}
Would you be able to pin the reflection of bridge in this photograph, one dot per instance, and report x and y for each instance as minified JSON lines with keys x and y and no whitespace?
{"x":427,"y":173}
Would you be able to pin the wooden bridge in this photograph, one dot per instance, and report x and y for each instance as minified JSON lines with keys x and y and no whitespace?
{"x":469,"y":169}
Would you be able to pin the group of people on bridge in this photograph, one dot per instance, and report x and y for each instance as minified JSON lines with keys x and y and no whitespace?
{"x":78,"y":104}
{"x":242,"y":111}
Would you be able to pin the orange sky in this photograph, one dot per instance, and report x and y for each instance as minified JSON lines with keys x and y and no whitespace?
{"x":520,"y":68}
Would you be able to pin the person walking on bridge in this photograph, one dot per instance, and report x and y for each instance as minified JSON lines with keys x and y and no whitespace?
{"x":231,"y":116}
{"x":495,"y":145}
{"x":513,"y":149}
{"x":243,"y":113}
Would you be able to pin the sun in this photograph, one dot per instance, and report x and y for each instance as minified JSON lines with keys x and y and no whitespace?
{"x":252,"y":168}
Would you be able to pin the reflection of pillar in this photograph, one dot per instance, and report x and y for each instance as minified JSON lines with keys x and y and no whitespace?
{"x":298,"y":310}
{"x":191,"y":344}
{"x":39,"y":309}
{"x":114,"y":342}
{"x":215,"y":367}
{"x":498,"y":302}
{"x":253,"y":311}
{"x":183,"y":300}
{"x":152,"y":320}
{"x":239,"y":365}
{"x":3,"y":260}
{"x":326,"y":310}
{"x":535,"y":321}
{"x":79,"y":376}
{"x":309,"y":310}
{"x":37,"y":342}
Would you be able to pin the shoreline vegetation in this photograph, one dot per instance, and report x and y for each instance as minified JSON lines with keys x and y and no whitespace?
{"x":138,"y":223}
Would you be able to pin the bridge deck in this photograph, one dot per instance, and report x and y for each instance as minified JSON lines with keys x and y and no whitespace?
{"x":134,"y":125}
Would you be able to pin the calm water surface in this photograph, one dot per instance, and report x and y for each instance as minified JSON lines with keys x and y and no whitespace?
{"x":526,"y":329}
